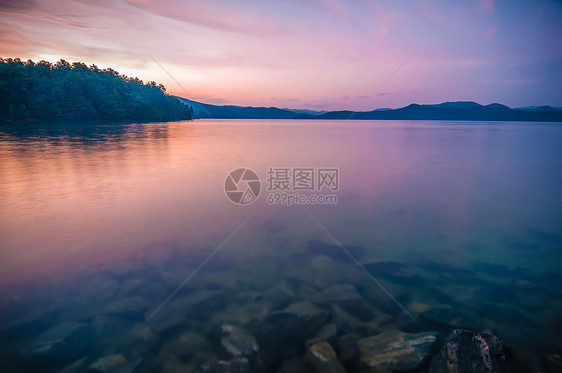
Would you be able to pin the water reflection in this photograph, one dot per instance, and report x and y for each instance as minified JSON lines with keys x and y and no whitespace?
{"x":100,"y":223}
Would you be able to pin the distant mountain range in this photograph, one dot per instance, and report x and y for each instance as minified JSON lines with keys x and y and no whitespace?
{"x":460,"y":110}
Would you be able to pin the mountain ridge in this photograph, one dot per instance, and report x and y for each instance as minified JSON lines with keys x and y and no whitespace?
{"x":450,"y":110}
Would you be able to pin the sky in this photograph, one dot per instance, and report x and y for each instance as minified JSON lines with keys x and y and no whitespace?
{"x":312,"y":54}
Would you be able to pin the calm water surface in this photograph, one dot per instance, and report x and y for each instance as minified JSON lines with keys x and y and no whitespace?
{"x":467,"y":215}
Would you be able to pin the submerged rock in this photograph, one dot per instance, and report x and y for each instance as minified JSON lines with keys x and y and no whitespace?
{"x":502,"y":271}
{"x":553,"y":363}
{"x":166,"y":318}
{"x":333,"y":251}
{"x":203,"y":303}
{"x":18,"y":316}
{"x":325,"y":272}
{"x":324,"y":359}
{"x":240,"y":365}
{"x":238,"y":345}
{"x":506,"y":313}
{"x":381,"y":299}
{"x":387,"y":269}
{"x":446,"y":316}
{"x":347,"y":347}
{"x":130,"y":306}
{"x":326,"y":333}
{"x":110,"y":364}
{"x":347,"y":297}
{"x":186,"y":345}
{"x":245,"y":314}
{"x":293,"y":365}
{"x":316,"y":316}
{"x":282,"y":334}
{"x":395,"y":351}
{"x":468,"y":352}
{"x":348,"y":323}
{"x":453,"y":294}
{"x":75,"y":367}
{"x":280,"y":297}
{"x":62,"y":342}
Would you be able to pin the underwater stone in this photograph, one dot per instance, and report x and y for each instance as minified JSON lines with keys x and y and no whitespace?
{"x":280,"y":297}
{"x":282,"y":334}
{"x":186,"y":345}
{"x":166,"y":318}
{"x":324,"y":358}
{"x":326,"y":272}
{"x":239,"y":345}
{"x":395,"y":351}
{"x":446,"y":316}
{"x":348,"y":323}
{"x":20,"y":316}
{"x":293,"y":365}
{"x":378,"y":297}
{"x":333,"y":251}
{"x":326,"y":333}
{"x":202,"y":304}
{"x":347,"y":297}
{"x":347,"y":347}
{"x":316,"y":316}
{"x":387,"y":269}
{"x":468,"y":352}
{"x":240,"y":365}
{"x":133,"y":306}
{"x":110,"y":364}
{"x":62,"y":342}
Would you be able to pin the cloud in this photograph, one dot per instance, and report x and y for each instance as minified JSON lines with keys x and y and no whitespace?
{"x":19,"y":5}
{"x":245,"y":17}
{"x":247,"y":52}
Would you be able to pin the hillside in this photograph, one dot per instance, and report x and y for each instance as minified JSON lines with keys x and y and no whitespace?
{"x":201,"y":110}
{"x":463,"y":110}
{"x":459,"y":110}
{"x":64,"y":91}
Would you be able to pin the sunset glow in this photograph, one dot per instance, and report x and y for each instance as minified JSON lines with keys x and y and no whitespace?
{"x":318,"y":54}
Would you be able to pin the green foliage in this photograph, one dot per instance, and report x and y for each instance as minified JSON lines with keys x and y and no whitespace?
{"x":61,"y":91}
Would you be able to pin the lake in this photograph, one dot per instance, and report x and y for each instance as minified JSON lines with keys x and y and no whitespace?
{"x":122,"y":239}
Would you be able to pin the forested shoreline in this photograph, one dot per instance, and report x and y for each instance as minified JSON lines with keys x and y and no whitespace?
{"x":75,"y":91}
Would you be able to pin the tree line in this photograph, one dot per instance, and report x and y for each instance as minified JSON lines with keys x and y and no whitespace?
{"x":74,"y":91}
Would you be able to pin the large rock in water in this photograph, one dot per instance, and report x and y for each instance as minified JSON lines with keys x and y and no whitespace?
{"x":62,"y":342}
{"x":468,"y":352}
{"x":395,"y":351}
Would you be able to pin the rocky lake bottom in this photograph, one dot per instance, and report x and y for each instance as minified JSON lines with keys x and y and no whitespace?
{"x":311,"y":310}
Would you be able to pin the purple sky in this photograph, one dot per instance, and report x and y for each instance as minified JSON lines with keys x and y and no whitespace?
{"x":317,"y":54}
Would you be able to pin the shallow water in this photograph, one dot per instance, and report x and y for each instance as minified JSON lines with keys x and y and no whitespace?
{"x":93,"y":215}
